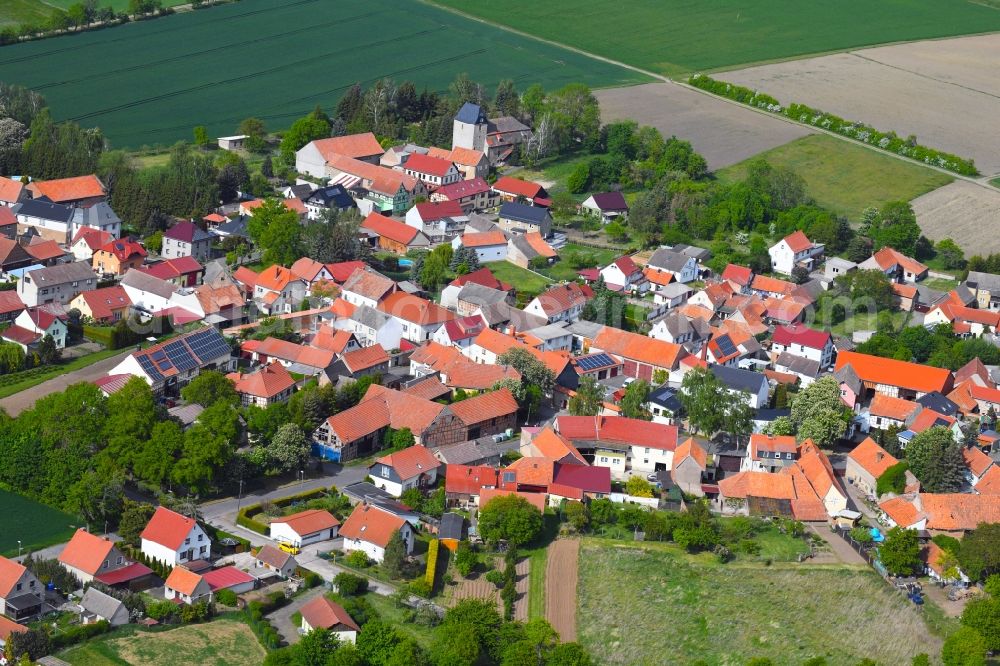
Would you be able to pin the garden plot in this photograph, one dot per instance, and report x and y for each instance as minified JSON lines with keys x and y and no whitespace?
{"x":945,"y":92}
{"x":966,"y":212}
{"x":723,"y":132}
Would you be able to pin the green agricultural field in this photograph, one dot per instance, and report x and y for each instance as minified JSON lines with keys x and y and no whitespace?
{"x":655,"y":604}
{"x":117,"y":5}
{"x":222,"y":642}
{"x":35,"y":524}
{"x":16,"y":12}
{"x":845,"y":177}
{"x":151,"y":82}
{"x":677,"y":36}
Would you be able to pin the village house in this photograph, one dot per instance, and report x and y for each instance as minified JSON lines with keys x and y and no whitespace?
{"x":607,"y":206}
{"x":394,"y":236}
{"x":363,"y":362}
{"x":11,"y":192}
{"x":800,"y":340}
{"x":366,"y":287}
{"x":488,"y":245}
{"x":369,"y":529}
{"x":86,"y":241}
{"x":440,"y":221}
{"x":182,"y":271}
{"x":186,"y":239}
{"x":10,"y":306}
{"x":470,"y":195}
{"x":13,"y":255}
{"x":21,"y":593}
{"x":900,"y":379}
{"x":51,"y":221}
{"x":314,"y":158}
{"x":523,"y":248}
{"x":332,"y":198}
{"x":96,"y":606}
{"x":303,"y":359}
{"x":740,"y":278}
{"x":667,"y":261}
{"x":641,"y":356}
{"x":185,"y":586}
{"x":247,"y":208}
{"x":169,"y":365}
{"x":56,"y":284}
{"x":896,"y":265}
{"x":460,"y":332}
{"x":986,"y":288}
{"x":943,"y":513}
{"x":433,"y":171}
{"x":270,"y":384}
{"x":413,"y":467}
{"x":623,"y":274}
{"x":118,"y":256}
{"x":689,"y":466}
{"x":321,"y":613}
{"x":43,"y":320}
{"x":90,"y":557}
{"x":521,"y":218}
{"x":471,"y":164}
{"x":887,"y":411}
{"x":384,"y":190}
{"x":645,"y":447}
{"x":372,"y":327}
{"x":304,"y":528}
{"x":794,"y":250}
{"x":563,"y":302}
{"x":752,"y":387}
{"x":173,"y":539}
{"x":769,"y":453}
{"x":419,"y":318}
{"x":867,"y":462}
{"x":965,"y":321}
{"x":277,"y":290}
{"x":276,"y":560}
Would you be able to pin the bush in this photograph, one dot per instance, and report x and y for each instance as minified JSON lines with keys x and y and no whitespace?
{"x":861,"y":535}
{"x":893,"y":480}
{"x":465,"y":558}
{"x":79,"y":633}
{"x":430,"y":575}
{"x":495,"y":576}
{"x":226,"y":598}
{"x":350,"y":585}
{"x":749,"y":547}
{"x":420,"y":588}
{"x":357,"y":558}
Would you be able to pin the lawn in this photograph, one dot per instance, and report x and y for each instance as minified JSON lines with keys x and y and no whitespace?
{"x":846,"y":177}
{"x":43,"y":375}
{"x":16,"y":12}
{"x":222,"y":642}
{"x":681,"y":36}
{"x":35,"y":524}
{"x":524,"y":281}
{"x":862,"y":320}
{"x":151,"y":82}
{"x":396,"y":616}
{"x":596,"y":256}
{"x":656,"y":604}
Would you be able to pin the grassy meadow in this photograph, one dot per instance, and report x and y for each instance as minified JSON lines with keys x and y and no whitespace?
{"x":673,"y":37}
{"x":655,"y":604}
{"x":35,"y":524}
{"x":151,"y":82}
{"x":845,"y":177}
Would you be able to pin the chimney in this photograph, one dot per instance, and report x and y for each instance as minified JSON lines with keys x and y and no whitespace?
{"x":878,"y":456}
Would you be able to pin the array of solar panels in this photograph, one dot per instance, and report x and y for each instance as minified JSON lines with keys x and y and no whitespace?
{"x":726,"y":345}
{"x":595,"y":361}
{"x":206,"y":344}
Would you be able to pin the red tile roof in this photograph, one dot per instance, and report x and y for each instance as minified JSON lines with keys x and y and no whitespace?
{"x":887,"y":257}
{"x":518,"y":187}
{"x":10,"y":190}
{"x":928,"y":418}
{"x":458,"y":155}
{"x":485,"y":406}
{"x":464,"y":328}
{"x":465,"y":374}
{"x":245,"y":276}
{"x":10,"y":573}
{"x":295,"y":353}
{"x":484,"y":239}
{"x":103,"y":303}
{"x":268,"y":382}
{"x":64,"y":190}
{"x":308,"y":522}
{"x":771,"y":443}
{"x":183,"y":231}
{"x":620,"y":430}
{"x":462,"y":189}
{"x":586,"y":478}
{"x":321,"y":613}
{"x":124,"y":574}
{"x":772,"y":285}
{"x":351,"y":145}
{"x":693,"y":450}
{"x":640,"y":348}
{"x":532,"y":470}
{"x":989,"y":483}
{"x":168,"y":528}
{"x":741,"y":275}
{"x":10,"y":302}
{"x":425,"y":164}
{"x":896,"y":373}
{"x":343,"y":270}
{"x":274,"y":278}
{"x":371,"y":524}
{"x":20,"y":335}
{"x":405,"y":411}
{"x":389,"y":228}
{"x":555,"y":447}
{"x":369,"y":283}
{"x":977,"y":461}
{"x":94,"y":238}
{"x":415,"y":309}
{"x":175,"y":268}
{"x":6,"y":216}
{"x":411,"y":462}
{"x":86,"y":552}
{"x":562,"y":297}
{"x":470,"y":479}
{"x":798,"y":242}
{"x":43,"y":250}
{"x":537,"y":500}
{"x":359,"y":421}
{"x":887,"y":406}
{"x":124,"y":249}
{"x":872,"y":458}
{"x":8,"y":627}
{"x":484,"y":276}
{"x":183,"y":580}
{"x":365,"y":358}
{"x":538,"y":244}
{"x":800,"y":334}
{"x":626,"y":265}
{"x":758,"y":484}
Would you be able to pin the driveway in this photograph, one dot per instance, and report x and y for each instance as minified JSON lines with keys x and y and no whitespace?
{"x":282,"y":618}
{"x":842,"y":550}
{"x":17,"y":403}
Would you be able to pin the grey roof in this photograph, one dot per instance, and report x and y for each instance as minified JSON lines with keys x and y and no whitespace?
{"x":97,"y":602}
{"x":471,"y":114}
{"x":63,"y":273}
{"x":475,"y":451}
{"x":97,"y":216}
{"x":847,"y":375}
{"x":44,"y":209}
{"x":678,"y":324}
{"x":333,"y":196}
{"x":838,"y":262}
{"x":674,"y":290}
{"x":699,"y":253}
{"x":549,"y":331}
{"x":477,"y":294}
{"x":235,"y":227}
{"x":519,"y":212}
{"x":669,"y":260}
{"x":986,"y":281}
{"x":800,"y":365}
{"x":301,"y":190}
{"x":370,"y":317}
{"x":665,"y":396}
{"x":772,"y":414}
{"x":503,"y":312}
{"x":505,"y":124}
{"x":452,"y":526}
{"x":138,"y":279}
{"x":585,"y":329}
{"x":939,"y":403}
{"x":739,"y":379}
{"x":480,"y":222}
{"x":186,"y":414}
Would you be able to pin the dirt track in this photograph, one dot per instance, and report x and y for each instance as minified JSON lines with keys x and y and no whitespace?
{"x":966,"y":212}
{"x":561,"y":577}
{"x":723,"y":133}
{"x":946,"y":92}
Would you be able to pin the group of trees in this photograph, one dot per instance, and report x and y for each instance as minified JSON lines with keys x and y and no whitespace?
{"x":711,"y":407}
{"x":937,"y":347}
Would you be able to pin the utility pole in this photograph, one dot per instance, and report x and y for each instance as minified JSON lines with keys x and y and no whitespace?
{"x":239,"y":498}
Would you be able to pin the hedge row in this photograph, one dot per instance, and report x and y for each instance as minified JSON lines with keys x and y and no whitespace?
{"x":858,"y":131}
{"x":245,"y":517}
{"x":432,"y":559}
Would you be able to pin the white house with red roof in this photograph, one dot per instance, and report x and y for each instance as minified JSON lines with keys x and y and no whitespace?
{"x":174,"y":539}
{"x":649,"y":447}
{"x":182,"y":271}
{"x":90,"y":557}
{"x":895,"y":265}
{"x":606,"y":205}
{"x":369,"y":529}
{"x":21,"y":593}
{"x":434,"y":171}
{"x":186,"y":239}
{"x":488,"y":245}
{"x":45,"y":320}
{"x":270,"y":384}
{"x":438,"y":220}
{"x":305,"y":527}
{"x":460,"y":332}
{"x":563,"y":302}
{"x":800,"y":340}
{"x":965,"y":321}
{"x":471,"y":195}
{"x":321,"y":613}
{"x":314,"y":157}
{"x":516,"y":190}
{"x":185,"y":586}
{"x":413,"y":467}
{"x":793,"y":250}
{"x":87,"y":241}
{"x":623,"y":274}
{"x":739,"y":278}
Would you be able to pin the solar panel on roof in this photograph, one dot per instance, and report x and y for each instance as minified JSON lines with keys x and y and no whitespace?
{"x":146,"y":364}
{"x":595,"y":361}
{"x":208,"y":345}
{"x":158,"y":355}
{"x":180,"y":356}
{"x":726,"y":345}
